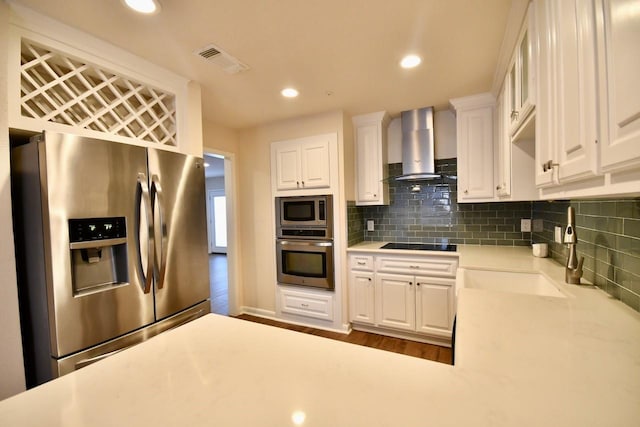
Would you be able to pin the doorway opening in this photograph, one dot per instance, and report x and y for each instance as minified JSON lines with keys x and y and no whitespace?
{"x":217,"y":227}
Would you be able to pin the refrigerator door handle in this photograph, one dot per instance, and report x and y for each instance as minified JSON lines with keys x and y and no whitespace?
{"x":86,"y":362}
{"x":143,"y":196}
{"x":160,"y":268}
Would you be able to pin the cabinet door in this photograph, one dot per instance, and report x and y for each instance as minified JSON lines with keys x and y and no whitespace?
{"x":475,"y":151}
{"x":545,"y":148}
{"x":288,"y":167}
{"x":362,"y":293}
{"x":314,"y":156}
{"x":434,"y":305}
{"x":367,"y":163}
{"x":620,"y":79}
{"x":503,"y":186}
{"x":395,"y":301}
{"x":575,"y":70}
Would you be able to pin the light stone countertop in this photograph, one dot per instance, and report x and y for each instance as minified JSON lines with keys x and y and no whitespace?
{"x":522,"y":360}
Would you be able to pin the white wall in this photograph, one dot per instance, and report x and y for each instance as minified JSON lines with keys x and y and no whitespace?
{"x":256,"y":210}
{"x":219,"y":138}
{"x":444,"y":123}
{"x":11,"y":365}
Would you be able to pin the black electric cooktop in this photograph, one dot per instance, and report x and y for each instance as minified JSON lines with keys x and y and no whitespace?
{"x":421,"y":247}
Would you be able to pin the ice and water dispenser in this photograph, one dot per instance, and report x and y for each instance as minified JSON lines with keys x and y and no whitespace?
{"x":98,"y":254}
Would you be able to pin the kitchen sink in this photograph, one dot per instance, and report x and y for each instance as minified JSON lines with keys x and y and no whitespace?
{"x":507,"y":281}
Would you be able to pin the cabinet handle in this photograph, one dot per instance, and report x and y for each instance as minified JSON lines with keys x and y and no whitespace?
{"x":418,"y":284}
{"x":375,"y":195}
{"x":466,"y":191}
{"x":548,"y":165}
{"x":369,"y":278}
{"x":498,"y":187}
{"x":297,"y":183}
{"x":410,"y":283}
{"x":361,"y":263}
{"x":304,"y":305}
{"x":303,"y":183}
{"x":514,"y":114}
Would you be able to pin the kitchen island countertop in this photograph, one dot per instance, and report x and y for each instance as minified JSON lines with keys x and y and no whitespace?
{"x":521,"y":360}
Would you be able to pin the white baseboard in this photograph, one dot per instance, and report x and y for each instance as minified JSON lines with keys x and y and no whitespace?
{"x":259,"y":312}
{"x":311,"y":323}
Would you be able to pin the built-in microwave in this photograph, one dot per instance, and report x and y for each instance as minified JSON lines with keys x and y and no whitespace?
{"x":304,"y":217}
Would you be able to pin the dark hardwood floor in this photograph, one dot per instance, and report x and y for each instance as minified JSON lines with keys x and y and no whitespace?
{"x":396,"y":345}
{"x":218,"y":283}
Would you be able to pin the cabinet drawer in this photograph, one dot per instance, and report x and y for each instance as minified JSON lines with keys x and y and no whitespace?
{"x":425,"y":266}
{"x":361,"y":262}
{"x":318,"y":306}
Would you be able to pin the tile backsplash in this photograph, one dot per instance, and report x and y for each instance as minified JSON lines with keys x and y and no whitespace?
{"x":608,"y":239}
{"x":432,"y":215}
{"x":608,"y":230}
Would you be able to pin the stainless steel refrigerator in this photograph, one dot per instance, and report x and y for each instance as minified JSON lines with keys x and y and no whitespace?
{"x":111,"y":247}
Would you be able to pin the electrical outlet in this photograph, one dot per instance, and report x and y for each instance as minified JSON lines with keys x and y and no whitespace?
{"x":370,"y":225}
{"x":525,"y":225}
{"x":558,"y":234}
{"x":538,"y":225}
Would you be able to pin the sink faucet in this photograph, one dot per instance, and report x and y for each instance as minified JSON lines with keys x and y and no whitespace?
{"x":573,"y":271}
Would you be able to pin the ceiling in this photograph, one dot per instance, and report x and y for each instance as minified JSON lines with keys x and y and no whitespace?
{"x":340,"y":54}
{"x":215,"y":168}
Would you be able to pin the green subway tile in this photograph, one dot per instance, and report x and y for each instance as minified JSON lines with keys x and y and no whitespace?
{"x":608,"y":209}
{"x":631,"y":263}
{"x":615,"y":225}
{"x":632,"y":227}
{"x":630,"y":299}
{"x":628,"y":208}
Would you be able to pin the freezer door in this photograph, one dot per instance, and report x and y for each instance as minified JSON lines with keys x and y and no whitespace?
{"x":95,"y":291}
{"x":182,"y":263}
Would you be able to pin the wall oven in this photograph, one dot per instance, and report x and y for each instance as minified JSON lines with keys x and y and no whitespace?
{"x":305,"y":262}
{"x":304,"y":241}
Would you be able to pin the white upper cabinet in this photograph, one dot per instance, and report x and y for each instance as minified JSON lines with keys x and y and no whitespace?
{"x":566,"y":130}
{"x":303,"y":164}
{"x":314,"y":163}
{"x":475,"y":141}
{"x":576,"y":113}
{"x":588,"y":98}
{"x":521,"y":76}
{"x":619,"y":70}
{"x":503,"y":185}
{"x":372,"y":187}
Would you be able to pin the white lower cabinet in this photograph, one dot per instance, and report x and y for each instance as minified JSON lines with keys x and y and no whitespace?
{"x":395,"y":301}
{"x":388,"y":297}
{"x":317,"y":305}
{"x":362,"y":292}
{"x":434,"y":305}
{"x":415,"y":303}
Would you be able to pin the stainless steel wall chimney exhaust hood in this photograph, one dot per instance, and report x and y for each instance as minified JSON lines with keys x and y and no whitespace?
{"x":418,"y":154}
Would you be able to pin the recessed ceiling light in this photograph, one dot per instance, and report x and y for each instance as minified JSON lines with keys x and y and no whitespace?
{"x":289,"y":92}
{"x":143,"y":6}
{"x":410,"y":61}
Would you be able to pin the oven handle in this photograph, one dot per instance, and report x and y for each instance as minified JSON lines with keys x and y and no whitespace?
{"x":301,"y":243}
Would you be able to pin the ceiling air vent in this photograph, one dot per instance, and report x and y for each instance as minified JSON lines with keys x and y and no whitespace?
{"x":217,"y":56}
